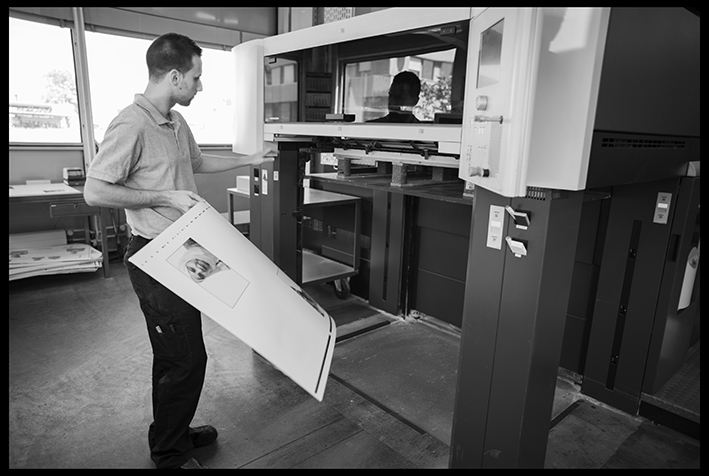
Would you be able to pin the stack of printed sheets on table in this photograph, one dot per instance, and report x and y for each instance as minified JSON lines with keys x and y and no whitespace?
{"x":37,"y":254}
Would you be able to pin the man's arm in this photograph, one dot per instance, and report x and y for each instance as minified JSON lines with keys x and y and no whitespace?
{"x":99,"y":193}
{"x":213,"y":163}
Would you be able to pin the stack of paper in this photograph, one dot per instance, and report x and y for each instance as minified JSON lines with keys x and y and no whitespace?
{"x":58,"y":259}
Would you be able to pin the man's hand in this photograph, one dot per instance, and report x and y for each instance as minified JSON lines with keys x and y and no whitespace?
{"x":100,"y":193}
{"x":212,"y":163}
{"x":183,"y":200}
{"x":265,"y":156}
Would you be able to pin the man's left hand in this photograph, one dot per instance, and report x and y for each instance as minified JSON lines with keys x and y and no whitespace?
{"x":265,"y":156}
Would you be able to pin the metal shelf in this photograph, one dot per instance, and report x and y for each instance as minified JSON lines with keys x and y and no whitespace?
{"x":321,"y":269}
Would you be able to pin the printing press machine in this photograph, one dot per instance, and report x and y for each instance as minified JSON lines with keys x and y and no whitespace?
{"x":565,"y":156}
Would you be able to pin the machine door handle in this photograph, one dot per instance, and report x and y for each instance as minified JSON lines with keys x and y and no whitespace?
{"x":673,"y":248}
{"x":519,"y":248}
{"x":488,"y":119}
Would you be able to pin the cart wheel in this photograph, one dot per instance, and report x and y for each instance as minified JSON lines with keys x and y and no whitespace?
{"x":342,"y":288}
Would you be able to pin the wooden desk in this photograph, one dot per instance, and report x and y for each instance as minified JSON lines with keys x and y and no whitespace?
{"x":64,"y":201}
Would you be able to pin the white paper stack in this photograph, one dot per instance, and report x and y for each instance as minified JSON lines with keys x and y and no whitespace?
{"x":44,"y":256}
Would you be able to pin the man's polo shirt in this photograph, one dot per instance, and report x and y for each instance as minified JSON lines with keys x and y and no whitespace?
{"x":143,"y":150}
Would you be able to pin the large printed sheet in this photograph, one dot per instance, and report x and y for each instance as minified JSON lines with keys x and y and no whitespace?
{"x":211,"y":265}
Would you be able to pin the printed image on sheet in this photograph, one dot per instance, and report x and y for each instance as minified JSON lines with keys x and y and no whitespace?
{"x":208,"y":271}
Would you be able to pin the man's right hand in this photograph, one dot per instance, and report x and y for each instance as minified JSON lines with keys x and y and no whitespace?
{"x":183,"y":200}
{"x":104,"y":194}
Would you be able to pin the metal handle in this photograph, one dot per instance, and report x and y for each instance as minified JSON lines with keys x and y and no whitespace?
{"x":518,"y":247}
{"x":488,"y":119}
{"x":478,"y":171}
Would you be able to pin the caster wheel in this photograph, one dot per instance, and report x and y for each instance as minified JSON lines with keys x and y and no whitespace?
{"x":342,"y":288}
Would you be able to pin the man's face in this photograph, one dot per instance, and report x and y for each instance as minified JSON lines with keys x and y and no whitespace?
{"x":190,"y":84}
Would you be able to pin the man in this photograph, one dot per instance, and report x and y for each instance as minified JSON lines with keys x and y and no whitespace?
{"x":146,"y":165}
{"x":403,"y":96}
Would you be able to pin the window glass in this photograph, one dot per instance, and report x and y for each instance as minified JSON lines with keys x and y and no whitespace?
{"x":42,"y":85}
{"x":211,"y":113}
{"x":117,"y":71}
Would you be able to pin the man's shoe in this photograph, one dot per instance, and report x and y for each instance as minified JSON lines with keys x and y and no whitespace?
{"x":203,"y":435}
{"x":192,"y":464}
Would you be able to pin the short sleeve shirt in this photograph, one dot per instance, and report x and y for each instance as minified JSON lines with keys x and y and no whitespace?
{"x":144,"y":150}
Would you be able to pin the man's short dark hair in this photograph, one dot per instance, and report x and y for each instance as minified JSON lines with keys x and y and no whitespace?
{"x":171,"y":51}
{"x":405,"y":89}
{"x":409,"y":81}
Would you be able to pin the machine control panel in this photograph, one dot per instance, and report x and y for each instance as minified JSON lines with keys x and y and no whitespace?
{"x":482,"y":154}
{"x":503,"y":49}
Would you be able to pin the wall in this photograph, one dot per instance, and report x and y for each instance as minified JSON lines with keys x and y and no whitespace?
{"x":36,"y":163}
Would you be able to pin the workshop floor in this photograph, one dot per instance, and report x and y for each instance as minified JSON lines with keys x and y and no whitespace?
{"x":79,"y":373}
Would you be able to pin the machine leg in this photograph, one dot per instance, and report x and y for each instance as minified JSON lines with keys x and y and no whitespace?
{"x":399,"y":175}
{"x":513,"y":323}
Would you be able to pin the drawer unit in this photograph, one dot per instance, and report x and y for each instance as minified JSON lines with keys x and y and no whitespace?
{"x":72,"y":209}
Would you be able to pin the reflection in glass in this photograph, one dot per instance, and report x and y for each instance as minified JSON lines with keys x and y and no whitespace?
{"x":281,"y":90}
{"x":490,"y":53}
{"x":352,"y":80}
{"x":367,"y":83}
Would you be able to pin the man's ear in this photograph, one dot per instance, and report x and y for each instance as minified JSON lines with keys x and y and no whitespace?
{"x":175,"y":77}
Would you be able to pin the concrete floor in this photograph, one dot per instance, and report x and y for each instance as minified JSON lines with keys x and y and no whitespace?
{"x":79,"y":372}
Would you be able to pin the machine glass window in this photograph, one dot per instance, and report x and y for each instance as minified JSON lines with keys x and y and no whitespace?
{"x":42,"y":84}
{"x":280,"y":90}
{"x":353,"y":81}
{"x":367,"y":84}
{"x":490,"y":53}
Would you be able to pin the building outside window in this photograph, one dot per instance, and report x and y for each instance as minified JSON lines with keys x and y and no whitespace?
{"x":42,"y":85}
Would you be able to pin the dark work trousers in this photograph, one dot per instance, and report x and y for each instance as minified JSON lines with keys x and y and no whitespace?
{"x":179,"y":363}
